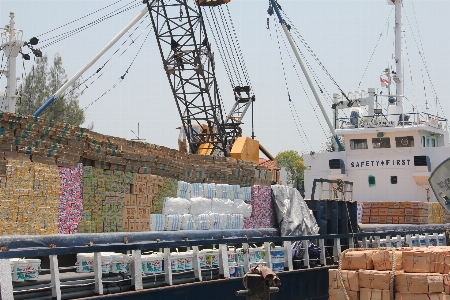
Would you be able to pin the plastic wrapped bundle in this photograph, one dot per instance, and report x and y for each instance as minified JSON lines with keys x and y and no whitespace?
{"x":209,"y":190}
{"x":196,"y":190}
{"x":240,"y":207}
{"x":183,"y":189}
{"x":176,"y":206}
{"x":223,"y":191}
{"x":226,"y":221}
{"x":263,"y":212}
{"x":235,"y":192}
{"x":214,"y":221}
{"x":237,"y":221}
{"x":172,"y":223}
{"x":246,"y":193}
{"x":168,"y":189}
{"x":200,"y":206}
{"x":187,"y":222}
{"x":202,"y":222}
{"x":222,"y":206}
{"x":157,"y":222}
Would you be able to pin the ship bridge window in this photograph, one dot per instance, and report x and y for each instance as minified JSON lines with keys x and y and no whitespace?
{"x":404,"y":141}
{"x":381,"y":143}
{"x":358,"y":144}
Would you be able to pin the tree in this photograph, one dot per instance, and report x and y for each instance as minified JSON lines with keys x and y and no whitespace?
{"x":293,"y":162}
{"x":42,"y":82}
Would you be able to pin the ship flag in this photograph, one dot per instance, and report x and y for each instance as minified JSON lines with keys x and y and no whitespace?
{"x":384,"y":82}
{"x":391,"y":2}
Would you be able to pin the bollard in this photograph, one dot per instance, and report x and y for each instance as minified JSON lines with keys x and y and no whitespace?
{"x":257,"y":288}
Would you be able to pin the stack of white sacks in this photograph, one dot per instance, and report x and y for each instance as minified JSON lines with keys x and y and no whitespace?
{"x":204,"y":206}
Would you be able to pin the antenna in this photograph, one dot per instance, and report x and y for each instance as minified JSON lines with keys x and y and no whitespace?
{"x":137,"y":135}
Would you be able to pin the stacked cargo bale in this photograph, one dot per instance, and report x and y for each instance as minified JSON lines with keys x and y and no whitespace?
{"x":70,"y":199}
{"x":29,"y":194}
{"x":263,"y":211}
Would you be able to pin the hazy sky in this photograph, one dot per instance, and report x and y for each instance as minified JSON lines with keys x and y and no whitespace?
{"x":343,"y":35}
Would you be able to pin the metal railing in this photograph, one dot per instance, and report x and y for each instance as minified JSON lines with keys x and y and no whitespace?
{"x":330,"y":248}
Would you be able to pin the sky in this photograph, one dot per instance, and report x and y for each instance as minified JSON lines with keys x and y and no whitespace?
{"x":352,"y":39}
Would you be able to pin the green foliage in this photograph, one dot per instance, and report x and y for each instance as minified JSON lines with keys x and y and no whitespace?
{"x":42,"y":82}
{"x":293,"y":162}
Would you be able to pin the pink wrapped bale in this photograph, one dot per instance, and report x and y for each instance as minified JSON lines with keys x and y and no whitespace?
{"x":263,"y":211}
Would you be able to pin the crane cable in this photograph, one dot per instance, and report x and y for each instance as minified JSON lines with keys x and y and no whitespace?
{"x":291,"y":105}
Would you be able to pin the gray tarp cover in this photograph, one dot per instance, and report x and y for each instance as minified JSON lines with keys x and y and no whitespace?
{"x":293,"y":215}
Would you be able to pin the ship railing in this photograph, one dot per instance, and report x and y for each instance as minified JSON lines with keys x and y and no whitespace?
{"x":330,"y":247}
{"x":401,"y":120}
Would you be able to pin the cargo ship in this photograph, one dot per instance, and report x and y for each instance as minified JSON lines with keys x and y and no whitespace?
{"x":89,"y":215}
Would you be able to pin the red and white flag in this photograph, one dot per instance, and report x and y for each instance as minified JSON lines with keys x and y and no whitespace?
{"x":384,"y":82}
{"x":391,"y":2}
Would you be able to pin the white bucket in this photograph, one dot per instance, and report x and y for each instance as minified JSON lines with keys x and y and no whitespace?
{"x":254,"y":264}
{"x":240,"y":255}
{"x":84,"y":262}
{"x":33,"y":269}
{"x":156,"y":263}
{"x":188,"y":260}
{"x":146,"y":264}
{"x":120,"y":263}
{"x":233,"y":271}
{"x":278,"y":267}
{"x":106,"y":263}
{"x":260,"y":254}
{"x":231,"y":258}
{"x":174,"y":262}
{"x":181,"y":262}
{"x":277,"y":255}
{"x":212,"y":258}
{"x":251,"y":255}
{"x":20,"y":270}
{"x":202,"y":259}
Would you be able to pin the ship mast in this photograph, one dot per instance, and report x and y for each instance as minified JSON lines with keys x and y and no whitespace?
{"x":11,"y":45}
{"x":398,"y":77}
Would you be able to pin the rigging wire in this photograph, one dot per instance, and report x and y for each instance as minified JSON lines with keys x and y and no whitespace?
{"x":303,"y":41}
{"x":295,"y":65}
{"x":374,"y":49}
{"x":80,"y":18}
{"x":70,"y":33}
{"x":296,"y":121}
{"x":422,"y":55}
{"x":121,"y":78}
{"x":130,"y":36}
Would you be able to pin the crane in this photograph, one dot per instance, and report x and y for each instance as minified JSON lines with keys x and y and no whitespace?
{"x":188,"y":61}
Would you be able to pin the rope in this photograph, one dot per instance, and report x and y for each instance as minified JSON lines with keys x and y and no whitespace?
{"x":393,"y":260}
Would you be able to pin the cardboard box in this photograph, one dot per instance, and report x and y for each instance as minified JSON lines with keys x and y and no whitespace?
{"x":374,"y":294}
{"x":446,"y":283}
{"x":355,"y":260}
{"x":436,"y":296}
{"x":139,"y":188}
{"x":374,"y":220}
{"x":389,"y":220}
{"x":350,"y":279}
{"x":383,"y":211}
{"x":416,"y":261}
{"x":365,"y":219}
{"x":419,"y":283}
{"x":382,"y":219}
{"x":409,"y":212}
{"x":374,"y":279}
{"x":374,"y":212}
{"x":366,"y":211}
{"x":382,"y":260}
{"x":336,"y":294}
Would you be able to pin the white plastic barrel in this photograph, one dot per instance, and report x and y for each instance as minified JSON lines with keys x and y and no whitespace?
{"x":260,"y":254}
{"x":202,"y":259}
{"x":188,"y":260}
{"x":156,"y":263}
{"x":231,"y":258}
{"x":106,"y":263}
{"x":174,"y":262}
{"x":33,"y":269}
{"x":212,"y":258}
{"x":120,"y":263}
